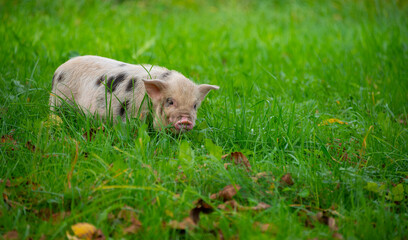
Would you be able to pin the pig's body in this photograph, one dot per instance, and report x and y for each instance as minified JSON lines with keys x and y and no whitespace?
{"x":100,"y":84}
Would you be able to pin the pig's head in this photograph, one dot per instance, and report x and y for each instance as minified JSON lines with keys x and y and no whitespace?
{"x":175,"y":101}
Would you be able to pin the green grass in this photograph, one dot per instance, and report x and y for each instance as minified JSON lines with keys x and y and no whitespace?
{"x":283,"y":67}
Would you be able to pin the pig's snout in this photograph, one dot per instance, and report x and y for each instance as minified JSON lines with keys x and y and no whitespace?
{"x":184,"y":124}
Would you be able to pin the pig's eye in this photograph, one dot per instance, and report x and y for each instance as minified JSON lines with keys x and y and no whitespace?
{"x":195,"y":106}
{"x":169,"y":102}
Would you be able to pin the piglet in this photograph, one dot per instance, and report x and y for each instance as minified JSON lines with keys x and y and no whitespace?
{"x":108,"y":87}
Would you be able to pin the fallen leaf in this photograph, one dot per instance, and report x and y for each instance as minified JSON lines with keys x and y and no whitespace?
{"x":229,"y":206}
{"x":201,"y":207}
{"x":8,"y":139}
{"x":239,"y":159}
{"x":261,"y":206}
{"x":233,"y":205}
{"x":331,"y":222}
{"x":226,"y":193}
{"x":11,"y":235}
{"x":266,"y":227}
{"x":287,"y":179}
{"x":323,"y":217}
{"x":330,"y":121}
{"x":134,"y":227}
{"x":187,"y":223}
{"x":127,"y":213}
{"x":85,"y":231}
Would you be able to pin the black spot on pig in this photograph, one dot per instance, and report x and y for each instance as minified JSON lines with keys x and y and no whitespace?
{"x":100,"y":80}
{"x":113,"y":82}
{"x":61,"y":77}
{"x":165,"y":75}
{"x":131,"y":84}
{"x":123,"y":108}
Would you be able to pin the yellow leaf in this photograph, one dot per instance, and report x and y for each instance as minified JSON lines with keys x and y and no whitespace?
{"x":330,"y":121}
{"x":82,"y":231}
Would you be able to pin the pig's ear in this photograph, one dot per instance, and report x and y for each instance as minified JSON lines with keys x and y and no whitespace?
{"x":154,"y":88}
{"x":203,"y":90}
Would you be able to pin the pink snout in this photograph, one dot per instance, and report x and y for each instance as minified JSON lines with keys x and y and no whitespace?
{"x":184,"y":124}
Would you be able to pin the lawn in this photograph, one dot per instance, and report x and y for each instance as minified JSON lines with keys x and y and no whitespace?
{"x":313,"y":97}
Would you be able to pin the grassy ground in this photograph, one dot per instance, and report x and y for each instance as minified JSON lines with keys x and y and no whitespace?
{"x":284,"y":67}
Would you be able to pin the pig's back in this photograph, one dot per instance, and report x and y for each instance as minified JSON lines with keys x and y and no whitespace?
{"x":93,"y":82}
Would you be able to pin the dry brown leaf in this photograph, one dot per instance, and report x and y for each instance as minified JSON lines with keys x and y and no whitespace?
{"x":11,"y":235}
{"x":261,"y":206}
{"x":227,"y":193}
{"x":187,"y":223}
{"x":331,"y":222}
{"x":229,"y":206}
{"x":239,"y":159}
{"x":134,"y":227}
{"x":287,"y":179}
{"x":323,"y":218}
{"x":8,"y":139}
{"x":233,"y":205}
{"x":201,"y":207}
{"x":127,"y":213}
{"x":266,"y":227}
